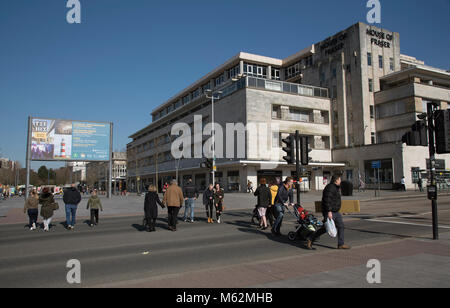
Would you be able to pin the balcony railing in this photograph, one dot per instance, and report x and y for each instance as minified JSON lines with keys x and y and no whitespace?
{"x":286,"y":87}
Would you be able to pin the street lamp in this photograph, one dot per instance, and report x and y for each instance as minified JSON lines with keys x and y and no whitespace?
{"x":212,"y":96}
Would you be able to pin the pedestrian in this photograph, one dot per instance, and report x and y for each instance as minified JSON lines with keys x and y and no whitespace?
{"x":190,"y":196}
{"x":271,"y":208}
{"x":249,"y":187}
{"x":151,"y":208}
{"x":32,"y":208}
{"x":95,"y":204}
{"x":165,"y":186}
{"x":285,"y":197}
{"x":264,"y":200}
{"x":420,"y":183}
{"x":48,"y":207}
{"x":331,"y":205}
{"x":71,"y":198}
{"x":403,"y":183}
{"x":173,"y":199}
{"x":218,"y":202}
{"x":208,"y":202}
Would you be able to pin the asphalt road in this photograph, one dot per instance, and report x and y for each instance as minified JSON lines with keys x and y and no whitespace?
{"x":119,"y":253}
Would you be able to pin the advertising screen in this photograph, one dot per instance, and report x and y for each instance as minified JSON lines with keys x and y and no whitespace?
{"x":64,"y":140}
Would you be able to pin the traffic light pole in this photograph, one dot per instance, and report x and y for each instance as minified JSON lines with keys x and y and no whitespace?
{"x":432,"y":148}
{"x":297,"y":163}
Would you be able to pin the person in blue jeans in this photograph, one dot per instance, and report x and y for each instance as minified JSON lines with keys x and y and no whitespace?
{"x":191,"y":194}
{"x":285,"y":197}
{"x":71,"y":198}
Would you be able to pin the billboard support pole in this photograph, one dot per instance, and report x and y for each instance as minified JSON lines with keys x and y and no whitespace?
{"x":28,"y":160}
{"x":110,"y":160}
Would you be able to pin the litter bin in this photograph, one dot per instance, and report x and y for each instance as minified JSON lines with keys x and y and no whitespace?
{"x":347,"y":188}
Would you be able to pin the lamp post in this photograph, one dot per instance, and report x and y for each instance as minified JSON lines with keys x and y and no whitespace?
{"x":212,"y":97}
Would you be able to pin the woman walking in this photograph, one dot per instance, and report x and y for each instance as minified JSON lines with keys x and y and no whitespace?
{"x":95,"y":204}
{"x":218,"y":201}
{"x":264,"y":200}
{"x":32,"y":207}
{"x":151,"y":208}
{"x":48,"y":207}
{"x":208,"y":202}
{"x":270,"y":215}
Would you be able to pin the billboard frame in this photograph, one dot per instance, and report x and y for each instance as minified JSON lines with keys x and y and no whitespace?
{"x":29,"y":159}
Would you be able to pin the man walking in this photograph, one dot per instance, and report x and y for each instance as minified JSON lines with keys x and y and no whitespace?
{"x":331,"y":205}
{"x":173,"y":199}
{"x":284,"y":195}
{"x":71,"y":198}
{"x":403,"y":183}
{"x":190,"y":195}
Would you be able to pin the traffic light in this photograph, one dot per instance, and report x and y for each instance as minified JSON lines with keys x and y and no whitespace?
{"x":208,"y":163}
{"x":442,"y":129}
{"x":418,"y":136}
{"x":304,"y":151}
{"x":289,"y":149}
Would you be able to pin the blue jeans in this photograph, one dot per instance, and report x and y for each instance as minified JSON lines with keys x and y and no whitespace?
{"x":71,"y":212}
{"x":189,"y":208}
{"x":279,"y":211}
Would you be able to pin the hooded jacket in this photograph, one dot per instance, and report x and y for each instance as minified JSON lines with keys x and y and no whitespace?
{"x":48,"y":205}
{"x":72,"y":196}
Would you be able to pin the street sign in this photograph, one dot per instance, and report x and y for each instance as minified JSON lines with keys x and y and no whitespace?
{"x":376,"y":164}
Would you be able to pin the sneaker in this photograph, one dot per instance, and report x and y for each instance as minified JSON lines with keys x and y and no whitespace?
{"x":191,"y":221}
{"x":33,"y":226}
{"x":69,"y":227}
{"x":91,"y":225}
{"x":344,"y":247}
{"x":218,"y":220}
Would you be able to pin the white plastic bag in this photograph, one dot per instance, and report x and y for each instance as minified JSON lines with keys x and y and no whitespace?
{"x":331,"y":228}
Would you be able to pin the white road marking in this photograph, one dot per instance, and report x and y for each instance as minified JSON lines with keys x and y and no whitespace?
{"x":406,"y":223}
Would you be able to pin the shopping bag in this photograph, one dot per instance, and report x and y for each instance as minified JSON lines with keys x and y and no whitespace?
{"x":331,"y":228}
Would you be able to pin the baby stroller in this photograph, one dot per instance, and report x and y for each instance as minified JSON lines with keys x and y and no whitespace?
{"x":307,"y":224}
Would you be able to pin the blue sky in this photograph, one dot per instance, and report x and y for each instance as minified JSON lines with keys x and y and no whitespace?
{"x":127,"y":57}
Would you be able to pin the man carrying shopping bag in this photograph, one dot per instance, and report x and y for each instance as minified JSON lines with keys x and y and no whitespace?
{"x":331,"y":205}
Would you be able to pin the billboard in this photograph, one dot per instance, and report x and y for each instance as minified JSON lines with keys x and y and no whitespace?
{"x":64,"y":140}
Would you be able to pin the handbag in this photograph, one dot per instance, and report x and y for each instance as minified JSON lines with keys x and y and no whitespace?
{"x":55,"y":206}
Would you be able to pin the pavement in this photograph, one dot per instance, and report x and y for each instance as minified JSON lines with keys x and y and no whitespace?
{"x":119,"y":253}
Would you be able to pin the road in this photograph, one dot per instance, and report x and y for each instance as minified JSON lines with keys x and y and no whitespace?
{"x":118,"y":253}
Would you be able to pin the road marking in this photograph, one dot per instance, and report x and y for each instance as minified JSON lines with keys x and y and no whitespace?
{"x":415,"y":215}
{"x":405,"y":223}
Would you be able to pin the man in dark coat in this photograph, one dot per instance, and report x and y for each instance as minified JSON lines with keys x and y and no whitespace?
{"x":151,"y":208}
{"x":208,"y":202}
{"x":284,"y":198}
{"x":331,"y":205}
{"x":264,"y":201}
{"x":71,"y":198}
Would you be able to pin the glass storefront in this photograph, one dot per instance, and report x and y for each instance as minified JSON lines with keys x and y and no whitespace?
{"x":385,"y":172}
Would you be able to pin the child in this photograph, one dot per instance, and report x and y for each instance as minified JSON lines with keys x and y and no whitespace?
{"x":95,"y":204}
{"x":32,"y":206}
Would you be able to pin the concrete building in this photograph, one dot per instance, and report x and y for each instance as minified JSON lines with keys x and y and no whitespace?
{"x":338,"y":92}
{"x":78,"y":170}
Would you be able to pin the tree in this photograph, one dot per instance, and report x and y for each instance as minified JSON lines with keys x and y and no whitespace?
{"x":43,"y":174}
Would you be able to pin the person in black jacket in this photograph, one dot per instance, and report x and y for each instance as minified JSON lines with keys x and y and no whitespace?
{"x":264,"y":201}
{"x":151,"y":208}
{"x":331,"y":205}
{"x":71,"y":198}
{"x":208,"y":202}
{"x":285,"y":197}
{"x":190,"y":193}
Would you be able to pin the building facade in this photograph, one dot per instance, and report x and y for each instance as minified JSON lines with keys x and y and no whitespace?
{"x":340,"y":92}
{"x":97,"y":173}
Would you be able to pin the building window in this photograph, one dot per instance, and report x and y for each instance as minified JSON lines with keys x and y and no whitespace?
{"x":373,"y":138}
{"x":369,"y":59}
{"x":276,"y":112}
{"x":299,"y":115}
{"x":275,"y":74}
{"x":380,"y":61}
{"x":391,"y":64}
{"x":372,"y":112}
{"x":218,"y":81}
{"x":255,"y":70}
{"x":234,"y":72}
{"x":390,"y":109}
{"x":370,"y":85}
{"x":186,"y":99}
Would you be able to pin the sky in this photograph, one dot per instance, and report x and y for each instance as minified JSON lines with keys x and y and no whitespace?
{"x":127,"y":57}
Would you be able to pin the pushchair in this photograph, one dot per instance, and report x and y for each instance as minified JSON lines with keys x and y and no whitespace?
{"x":307,"y":224}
